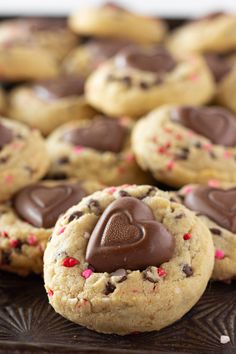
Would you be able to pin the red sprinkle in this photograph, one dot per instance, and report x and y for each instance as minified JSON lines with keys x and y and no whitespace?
{"x":87,"y":273}
{"x":228,"y":154}
{"x":170,"y":165}
{"x":9,"y":179}
{"x":4,"y":234}
{"x":50,"y":293}
{"x":32,"y":240}
{"x":111,"y":190}
{"x":129,"y":157}
{"x":178,"y":137}
{"x":187,"y":236}
{"x":161,"y":272}
{"x":219,"y":254}
{"x":70,"y":262}
{"x":187,"y":190}
{"x":61,"y":231}
{"x":14,"y":243}
{"x":194,"y":77}
{"x":78,"y":149}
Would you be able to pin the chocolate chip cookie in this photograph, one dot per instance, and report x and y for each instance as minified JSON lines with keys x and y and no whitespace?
{"x":112,"y":21}
{"x":187,"y":144}
{"x":97,"y":149}
{"x":127,"y":260}
{"x":47,"y":104}
{"x":27,"y":220}
{"x":216,"y":207}
{"x":138,"y":80}
{"x":23,"y":157}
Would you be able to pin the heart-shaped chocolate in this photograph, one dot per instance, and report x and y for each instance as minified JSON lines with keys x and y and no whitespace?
{"x":215,"y":123}
{"x":219,"y":65}
{"x":128,"y":236}
{"x":41,"y":205}
{"x":6,"y":135}
{"x":157,"y":60}
{"x":64,"y":86}
{"x":217,"y":204}
{"x":102,"y":134}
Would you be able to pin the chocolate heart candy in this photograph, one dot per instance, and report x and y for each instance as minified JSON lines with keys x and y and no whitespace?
{"x":218,"y":204}
{"x":6,"y":135}
{"x":64,"y":86}
{"x":128,"y":236}
{"x":157,"y":60}
{"x":219,"y":66}
{"x":103,"y":134}
{"x":41,"y":205}
{"x":215,"y":123}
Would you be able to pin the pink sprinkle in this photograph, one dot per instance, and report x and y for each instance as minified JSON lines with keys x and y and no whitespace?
{"x":170,"y":165}
{"x":161,"y":272}
{"x":32,"y":240}
{"x":111,"y":190}
{"x":50,"y":293}
{"x":219,"y":254}
{"x":78,"y":149}
{"x":161,"y":150}
{"x":228,"y":154}
{"x":87,"y":273}
{"x":9,"y":179}
{"x":61,"y":231}
{"x":168,"y":130}
{"x":187,"y":236}
{"x":187,"y":189}
{"x":190,"y":133}
{"x":213,"y":183}
{"x":14,"y":243}
{"x":4,"y":234}
{"x":125,"y":185}
{"x":129,"y":158}
{"x":178,"y":137}
{"x":207,"y":147}
{"x":70,"y":262}
{"x":194,"y":77}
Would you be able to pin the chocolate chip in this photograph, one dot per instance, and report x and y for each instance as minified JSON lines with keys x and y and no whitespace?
{"x":198,"y":145}
{"x":76,"y":215}
{"x":150,"y":274}
{"x":158,"y":81}
{"x":127,"y":80}
{"x":58,"y":176}
{"x":179,"y":216}
{"x":143,"y":85}
{"x":187,"y":270}
{"x":121,"y":273}
{"x":94,"y":207}
{"x":109,"y":288}
{"x":6,"y":257}
{"x":212,"y":155}
{"x":4,"y":159}
{"x":150,"y":191}
{"x":123,"y":193}
{"x":63,"y":160}
{"x":215,"y":231}
{"x":182,"y":154}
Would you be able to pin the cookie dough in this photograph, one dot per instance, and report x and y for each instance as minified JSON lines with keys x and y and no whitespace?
{"x":98,"y":149}
{"x":23,"y":157}
{"x":47,"y":104}
{"x":27,"y":221}
{"x":32,"y":49}
{"x":214,"y":33}
{"x":125,"y":264}
{"x":216,"y":207}
{"x":113,"y":21}
{"x":87,"y":57}
{"x":138,"y":80}
{"x":186,"y":144}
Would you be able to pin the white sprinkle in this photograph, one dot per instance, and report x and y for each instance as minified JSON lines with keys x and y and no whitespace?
{"x":224,"y":339}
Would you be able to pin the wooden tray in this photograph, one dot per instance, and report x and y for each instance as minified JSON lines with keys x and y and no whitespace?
{"x":29,"y":325}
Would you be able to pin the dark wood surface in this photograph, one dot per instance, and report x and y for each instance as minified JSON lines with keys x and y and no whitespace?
{"x":29,"y":325}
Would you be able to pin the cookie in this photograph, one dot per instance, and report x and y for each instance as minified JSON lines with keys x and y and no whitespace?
{"x":112,"y":21}
{"x":98,"y":150}
{"x":32,"y":49}
{"x":2,"y":101}
{"x":28,"y":218}
{"x":125,"y":264}
{"x":87,"y":57}
{"x":216,"y":207}
{"x":47,"y":104}
{"x":138,"y":80}
{"x":214,"y":33}
{"x":187,"y":144}
{"x":23,"y":157}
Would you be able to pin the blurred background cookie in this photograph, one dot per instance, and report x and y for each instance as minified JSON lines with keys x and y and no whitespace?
{"x":47,"y":104}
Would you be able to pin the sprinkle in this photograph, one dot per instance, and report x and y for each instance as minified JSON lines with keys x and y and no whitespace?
{"x":87,"y":273}
{"x":213,"y":183}
{"x":111,"y":190}
{"x":219,"y":254}
{"x":170,"y":165}
{"x":193,"y":77}
{"x":70,"y":262}
{"x":190,"y":133}
{"x":78,"y":149}
{"x":168,"y":130}
{"x":227,"y":154}
{"x":32,"y":240}
{"x":161,"y":272}
{"x":9,"y":179}
{"x":61,"y":231}
{"x":224,"y":339}
{"x":14,"y":243}
{"x":130,"y":157}
{"x":187,"y":189}
{"x":207,"y":147}
{"x":4,"y":234}
{"x":50,"y":293}
{"x":161,"y":150}
{"x":178,"y":137}
{"x":187,"y":236}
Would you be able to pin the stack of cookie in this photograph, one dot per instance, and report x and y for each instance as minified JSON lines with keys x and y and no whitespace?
{"x":97,"y":111}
